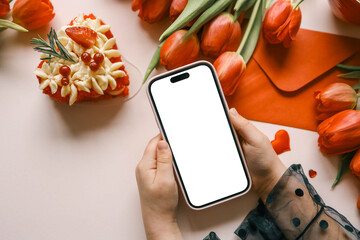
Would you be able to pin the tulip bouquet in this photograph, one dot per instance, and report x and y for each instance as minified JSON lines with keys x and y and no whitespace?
{"x":27,"y":14}
{"x":339,"y":133}
{"x":214,"y":27}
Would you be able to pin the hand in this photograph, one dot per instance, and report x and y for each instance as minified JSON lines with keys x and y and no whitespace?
{"x":264,"y":165}
{"x":158,"y":191}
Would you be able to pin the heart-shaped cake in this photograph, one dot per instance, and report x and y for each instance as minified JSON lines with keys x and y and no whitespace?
{"x":95,"y":71}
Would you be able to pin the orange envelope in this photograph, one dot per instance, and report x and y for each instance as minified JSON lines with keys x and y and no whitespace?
{"x":279,"y":83}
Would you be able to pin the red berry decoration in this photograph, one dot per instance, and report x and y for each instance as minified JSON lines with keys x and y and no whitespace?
{"x":64,"y":81}
{"x":94,"y":66}
{"x":65,"y":71}
{"x":98,"y":58}
{"x":86,"y":57}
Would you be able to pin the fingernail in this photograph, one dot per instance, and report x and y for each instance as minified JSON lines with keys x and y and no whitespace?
{"x":234,"y":112}
{"x":162,"y":146}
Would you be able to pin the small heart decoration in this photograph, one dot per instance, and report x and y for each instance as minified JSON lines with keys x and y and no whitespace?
{"x":281,"y":143}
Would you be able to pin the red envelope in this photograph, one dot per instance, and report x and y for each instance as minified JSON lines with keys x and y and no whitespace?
{"x":279,"y":83}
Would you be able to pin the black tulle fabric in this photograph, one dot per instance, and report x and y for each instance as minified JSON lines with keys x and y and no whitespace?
{"x":261,"y":224}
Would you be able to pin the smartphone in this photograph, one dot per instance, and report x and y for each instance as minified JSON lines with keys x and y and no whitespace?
{"x":192,"y":115}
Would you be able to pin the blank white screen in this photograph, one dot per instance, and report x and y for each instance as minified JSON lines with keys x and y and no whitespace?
{"x":194,"y":121}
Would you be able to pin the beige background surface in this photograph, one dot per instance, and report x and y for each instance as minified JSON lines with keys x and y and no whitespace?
{"x":68,"y":172}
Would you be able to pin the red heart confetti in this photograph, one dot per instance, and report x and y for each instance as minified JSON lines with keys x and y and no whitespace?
{"x":312,"y":173}
{"x":281,"y":143}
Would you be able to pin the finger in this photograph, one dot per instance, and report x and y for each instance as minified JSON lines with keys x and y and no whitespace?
{"x":245,"y":128}
{"x":148,"y":160}
{"x":164,"y":166}
{"x":150,"y":150}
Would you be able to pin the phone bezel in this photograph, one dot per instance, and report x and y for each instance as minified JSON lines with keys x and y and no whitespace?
{"x":226,"y":109}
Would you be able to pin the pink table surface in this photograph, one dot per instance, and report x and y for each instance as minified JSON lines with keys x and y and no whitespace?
{"x":68,"y":172}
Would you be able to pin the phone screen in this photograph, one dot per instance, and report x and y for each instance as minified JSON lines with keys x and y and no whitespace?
{"x":194,"y":121}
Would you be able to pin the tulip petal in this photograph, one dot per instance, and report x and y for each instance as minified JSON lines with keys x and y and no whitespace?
{"x":340,"y":133}
{"x":32,"y":14}
{"x":208,"y":14}
{"x":192,"y":10}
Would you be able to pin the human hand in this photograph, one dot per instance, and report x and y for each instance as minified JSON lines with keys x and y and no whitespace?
{"x":264,"y":165}
{"x":158,"y":191}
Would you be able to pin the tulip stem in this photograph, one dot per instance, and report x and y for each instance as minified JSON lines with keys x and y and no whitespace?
{"x":231,"y":6}
{"x":249,"y":26}
{"x":298,"y":3}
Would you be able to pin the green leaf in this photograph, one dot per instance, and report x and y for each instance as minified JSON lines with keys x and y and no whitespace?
{"x":356,"y":86}
{"x":268,"y":3}
{"x":344,"y":164}
{"x":348,"y":67}
{"x":238,"y":4}
{"x":192,"y":10}
{"x":243,"y":7}
{"x":251,"y":35}
{"x":154,"y":62}
{"x":8,"y":24}
{"x":354,"y":74}
{"x":206,"y":16}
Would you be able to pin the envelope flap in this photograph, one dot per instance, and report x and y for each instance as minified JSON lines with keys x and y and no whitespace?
{"x":309,"y":56}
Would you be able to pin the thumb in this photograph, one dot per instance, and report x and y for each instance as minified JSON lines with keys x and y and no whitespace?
{"x":245,"y":128}
{"x":164,"y":161}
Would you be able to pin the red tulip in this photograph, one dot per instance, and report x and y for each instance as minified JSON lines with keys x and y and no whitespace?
{"x":334,"y":98}
{"x":176,"y":8}
{"x":281,"y":23}
{"x":151,"y":11}
{"x":346,"y":10}
{"x":33,"y":14}
{"x":4,"y":8}
{"x":355,"y":164}
{"x":177,"y":52}
{"x":220,"y":35}
{"x":358,"y":202}
{"x":340,"y":133}
{"x":230,"y":67}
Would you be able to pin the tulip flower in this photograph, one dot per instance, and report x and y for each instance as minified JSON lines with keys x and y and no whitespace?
{"x":4,"y":8}
{"x":355,"y":164}
{"x":346,"y":10}
{"x":334,"y":98}
{"x":340,"y":133}
{"x":177,"y":52}
{"x":282,"y":22}
{"x":230,"y":67}
{"x":220,"y":35}
{"x":177,"y":6}
{"x":32,"y":14}
{"x":151,"y":11}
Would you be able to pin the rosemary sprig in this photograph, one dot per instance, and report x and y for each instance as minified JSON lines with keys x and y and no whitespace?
{"x":54,"y":49}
